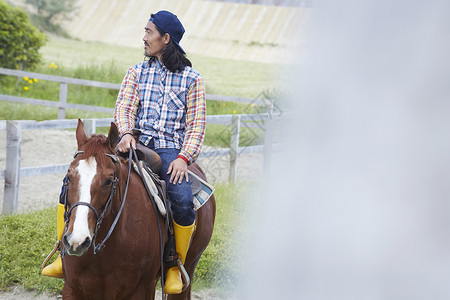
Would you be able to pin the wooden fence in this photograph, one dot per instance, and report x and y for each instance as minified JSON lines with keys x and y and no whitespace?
{"x":64,"y":82}
{"x":12,"y":173}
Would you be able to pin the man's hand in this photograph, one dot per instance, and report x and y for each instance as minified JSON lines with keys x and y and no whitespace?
{"x":179,"y":170}
{"x":125,"y":142}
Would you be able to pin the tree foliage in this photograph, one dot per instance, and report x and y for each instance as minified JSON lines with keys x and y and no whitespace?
{"x":20,"y":40}
{"x":51,"y":10}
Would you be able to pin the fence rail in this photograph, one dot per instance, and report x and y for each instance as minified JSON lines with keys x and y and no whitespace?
{"x":13,"y":171}
{"x":62,"y":104}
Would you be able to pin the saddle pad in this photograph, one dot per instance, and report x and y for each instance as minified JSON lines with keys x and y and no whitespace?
{"x":201,"y":190}
{"x":153,"y":190}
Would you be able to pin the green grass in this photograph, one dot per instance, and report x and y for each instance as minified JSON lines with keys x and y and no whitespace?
{"x":26,"y":239}
{"x":218,"y":264}
{"x":222,"y":76}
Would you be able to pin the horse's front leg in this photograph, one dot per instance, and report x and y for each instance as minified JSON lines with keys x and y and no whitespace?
{"x":144,"y":292}
{"x":70,"y":294}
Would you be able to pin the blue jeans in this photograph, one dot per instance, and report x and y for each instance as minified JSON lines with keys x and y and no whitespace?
{"x":179,"y":194}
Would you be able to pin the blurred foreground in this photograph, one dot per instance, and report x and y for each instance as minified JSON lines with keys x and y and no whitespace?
{"x":357,"y":206}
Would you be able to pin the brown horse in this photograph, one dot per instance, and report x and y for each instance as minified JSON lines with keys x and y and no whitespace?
{"x":128,"y":266}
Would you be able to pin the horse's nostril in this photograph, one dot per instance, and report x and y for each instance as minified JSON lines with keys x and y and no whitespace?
{"x":86,"y":243}
{"x":65,"y":240}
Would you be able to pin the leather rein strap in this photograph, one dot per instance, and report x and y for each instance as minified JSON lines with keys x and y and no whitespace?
{"x":99,"y":247}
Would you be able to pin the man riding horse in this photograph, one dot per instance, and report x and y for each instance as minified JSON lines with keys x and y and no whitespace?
{"x":164,"y":98}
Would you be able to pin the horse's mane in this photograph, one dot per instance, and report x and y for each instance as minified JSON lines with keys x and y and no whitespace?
{"x":95,"y":147}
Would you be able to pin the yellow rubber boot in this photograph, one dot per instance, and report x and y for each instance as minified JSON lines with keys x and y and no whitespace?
{"x":55,"y":269}
{"x":183,"y":234}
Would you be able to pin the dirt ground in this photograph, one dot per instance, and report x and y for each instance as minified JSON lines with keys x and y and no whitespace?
{"x":47,"y":147}
{"x":20,"y":294}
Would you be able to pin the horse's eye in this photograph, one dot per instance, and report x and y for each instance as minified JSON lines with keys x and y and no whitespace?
{"x":108,"y":182}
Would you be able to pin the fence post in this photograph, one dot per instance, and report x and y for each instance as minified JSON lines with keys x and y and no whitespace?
{"x":90,"y":127}
{"x":12,"y":171}
{"x":268,"y":138}
{"x":267,"y":150}
{"x":235,"y":130}
{"x":63,"y":86}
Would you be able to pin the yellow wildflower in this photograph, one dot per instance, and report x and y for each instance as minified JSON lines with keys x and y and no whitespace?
{"x":25,"y":78}
{"x":26,"y":88}
{"x":35,"y":80}
{"x":31,"y":81}
{"x":234,"y":111}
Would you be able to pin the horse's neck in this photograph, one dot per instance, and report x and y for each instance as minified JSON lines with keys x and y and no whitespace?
{"x":133,"y":195}
{"x":137,"y":212}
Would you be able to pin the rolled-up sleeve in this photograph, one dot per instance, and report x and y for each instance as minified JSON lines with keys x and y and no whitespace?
{"x":127,"y":103}
{"x":195,"y":121}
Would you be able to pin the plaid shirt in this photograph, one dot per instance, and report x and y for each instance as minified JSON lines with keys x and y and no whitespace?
{"x":168,"y":107}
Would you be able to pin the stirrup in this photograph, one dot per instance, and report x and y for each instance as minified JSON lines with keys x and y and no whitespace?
{"x":44,"y":264}
{"x":184,"y":275}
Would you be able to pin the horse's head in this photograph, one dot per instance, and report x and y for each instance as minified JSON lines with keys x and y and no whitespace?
{"x":91,"y":182}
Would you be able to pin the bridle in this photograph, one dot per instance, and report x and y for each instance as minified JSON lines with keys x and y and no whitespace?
{"x":97,"y":248}
{"x":99,"y":217}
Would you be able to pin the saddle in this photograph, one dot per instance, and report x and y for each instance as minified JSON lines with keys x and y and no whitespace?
{"x":150,"y":161}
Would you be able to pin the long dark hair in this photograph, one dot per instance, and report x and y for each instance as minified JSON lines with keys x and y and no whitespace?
{"x":172,"y":56}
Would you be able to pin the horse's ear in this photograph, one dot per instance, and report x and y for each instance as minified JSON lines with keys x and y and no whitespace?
{"x":80,"y":134}
{"x":113,"y":136}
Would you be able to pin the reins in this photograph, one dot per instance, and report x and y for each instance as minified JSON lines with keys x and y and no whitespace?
{"x":99,"y":247}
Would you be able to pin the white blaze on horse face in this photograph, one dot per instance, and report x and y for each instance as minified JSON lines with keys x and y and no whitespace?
{"x":86,"y":171}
